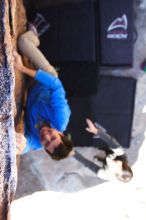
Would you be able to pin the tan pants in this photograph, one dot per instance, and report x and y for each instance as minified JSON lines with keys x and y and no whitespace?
{"x":28,"y":45}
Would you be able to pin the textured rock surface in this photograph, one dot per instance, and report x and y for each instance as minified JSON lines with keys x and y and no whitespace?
{"x":9,"y":29}
{"x":7,"y":141}
{"x":20,"y":26}
{"x":38,"y":172}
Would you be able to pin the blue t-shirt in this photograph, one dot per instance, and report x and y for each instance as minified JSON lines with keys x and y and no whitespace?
{"x":46,"y":103}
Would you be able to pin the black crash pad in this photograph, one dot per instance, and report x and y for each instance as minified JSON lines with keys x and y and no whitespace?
{"x":77,"y":78}
{"x":112,"y":106}
{"x":116,"y":32}
{"x":71,"y":36}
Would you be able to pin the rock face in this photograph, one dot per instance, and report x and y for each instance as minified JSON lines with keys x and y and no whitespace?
{"x":19,"y":24}
{"x":7,"y":145}
{"x":8,"y":33}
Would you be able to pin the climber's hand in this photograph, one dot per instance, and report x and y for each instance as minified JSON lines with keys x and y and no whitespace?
{"x":20,"y":143}
{"x":91,"y":127}
{"x":18,"y":61}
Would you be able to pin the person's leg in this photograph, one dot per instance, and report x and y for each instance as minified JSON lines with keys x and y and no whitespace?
{"x":27,"y":44}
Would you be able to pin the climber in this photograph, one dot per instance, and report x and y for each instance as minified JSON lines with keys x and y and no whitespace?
{"x":47,"y":111}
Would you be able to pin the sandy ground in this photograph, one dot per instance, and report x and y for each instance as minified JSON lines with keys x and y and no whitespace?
{"x":66,"y":190}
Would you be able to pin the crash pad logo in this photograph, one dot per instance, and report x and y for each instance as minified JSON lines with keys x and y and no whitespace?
{"x":118,"y":28}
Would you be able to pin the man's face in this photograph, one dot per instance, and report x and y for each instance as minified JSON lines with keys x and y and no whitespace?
{"x":50,"y":138}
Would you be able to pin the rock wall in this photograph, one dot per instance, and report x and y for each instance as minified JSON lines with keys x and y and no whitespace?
{"x":9,"y":29}
{"x":20,"y":27}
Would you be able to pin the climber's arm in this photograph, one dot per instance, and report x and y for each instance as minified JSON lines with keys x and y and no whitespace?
{"x":20,"y":143}
{"x":21,"y":67}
